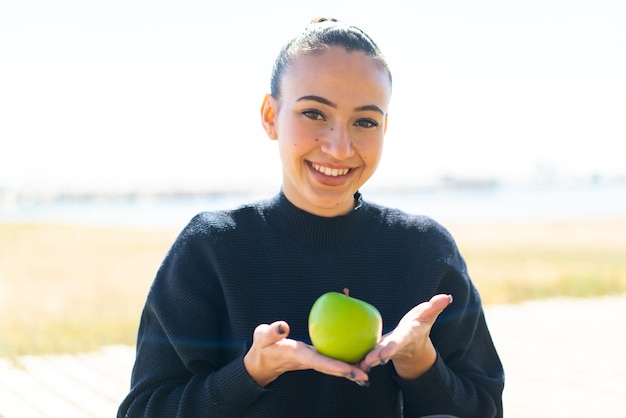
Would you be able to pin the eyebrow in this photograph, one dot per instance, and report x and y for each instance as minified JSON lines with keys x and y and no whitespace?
{"x":334,"y":105}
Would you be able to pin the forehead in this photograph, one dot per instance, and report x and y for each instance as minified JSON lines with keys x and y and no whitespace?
{"x":338,"y":73}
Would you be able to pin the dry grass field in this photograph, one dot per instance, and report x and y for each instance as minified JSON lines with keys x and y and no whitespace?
{"x":74,"y":288}
{"x":516,"y":262}
{"x":71,"y":288}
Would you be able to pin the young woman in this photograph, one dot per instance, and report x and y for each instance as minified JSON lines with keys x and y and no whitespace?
{"x":224,"y":329}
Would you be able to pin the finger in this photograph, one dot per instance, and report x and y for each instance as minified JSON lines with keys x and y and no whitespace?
{"x":435,"y":306}
{"x":268,"y":334}
{"x":428,"y":311}
{"x":377,"y":357}
{"x":281,"y":328}
{"x":337,"y":368}
{"x":333,"y":367}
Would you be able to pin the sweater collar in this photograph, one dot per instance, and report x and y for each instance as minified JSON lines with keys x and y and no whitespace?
{"x":304,"y":228}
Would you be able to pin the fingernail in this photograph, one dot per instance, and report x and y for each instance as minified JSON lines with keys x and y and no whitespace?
{"x":376,"y":363}
{"x":451,"y":299}
{"x":368,"y":368}
{"x":384,"y":361}
{"x":350,"y":376}
{"x":363,"y":383}
{"x":281,"y":329}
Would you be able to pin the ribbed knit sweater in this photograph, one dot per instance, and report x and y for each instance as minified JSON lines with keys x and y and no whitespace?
{"x":229,"y":271}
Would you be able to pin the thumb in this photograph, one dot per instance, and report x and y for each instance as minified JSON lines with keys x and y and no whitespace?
{"x":268,"y":334}
{"x":439,"y":303}
{"x":281,"y":328}
{"x":429,"y":311}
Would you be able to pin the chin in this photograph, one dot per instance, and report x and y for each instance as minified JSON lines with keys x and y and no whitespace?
{"x":341,"y":204}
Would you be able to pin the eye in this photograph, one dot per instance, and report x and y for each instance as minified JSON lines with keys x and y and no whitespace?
{"x":313,"y":114}
{"x":366,"y":123}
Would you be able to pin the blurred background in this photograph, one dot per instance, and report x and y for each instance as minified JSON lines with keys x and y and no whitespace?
{"x":120,"y":120}
{"x":137,"y":98}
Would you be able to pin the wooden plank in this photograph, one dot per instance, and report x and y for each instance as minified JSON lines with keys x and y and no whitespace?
{"x":84,"y":374}
{"x":11,"y":404}
{"x":116,"y":363}
{"x":90,"y":403}
{"x":24,"y":389}
{"x":121,"y":354}
{"x":83,"y":385}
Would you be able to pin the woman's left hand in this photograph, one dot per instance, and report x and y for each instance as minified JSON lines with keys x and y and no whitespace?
{"x":409,"y":345}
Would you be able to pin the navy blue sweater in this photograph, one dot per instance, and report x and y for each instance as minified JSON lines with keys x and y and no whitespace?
{"x":229,"y":271}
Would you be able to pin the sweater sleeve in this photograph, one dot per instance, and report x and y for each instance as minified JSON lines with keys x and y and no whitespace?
{"x":467,"y":378}
{"x":186,"y":364}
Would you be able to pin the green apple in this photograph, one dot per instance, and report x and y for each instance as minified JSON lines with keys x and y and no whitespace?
{"x":343,"y":327}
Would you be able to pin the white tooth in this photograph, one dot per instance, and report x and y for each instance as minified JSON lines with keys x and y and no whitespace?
{"x":333,"y":172}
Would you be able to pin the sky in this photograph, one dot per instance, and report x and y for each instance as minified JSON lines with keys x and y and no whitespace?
{"x":134,"y":95}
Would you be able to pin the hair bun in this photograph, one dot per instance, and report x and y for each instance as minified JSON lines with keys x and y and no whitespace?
{"x":324,"y":19}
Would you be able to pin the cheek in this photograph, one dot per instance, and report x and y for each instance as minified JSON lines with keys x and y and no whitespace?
{"x":371,"y":151}
{"x":293,"y":145}
{"x":303,"y":138}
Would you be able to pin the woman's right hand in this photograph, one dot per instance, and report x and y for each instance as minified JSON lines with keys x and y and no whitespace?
{"x":273,"y":354}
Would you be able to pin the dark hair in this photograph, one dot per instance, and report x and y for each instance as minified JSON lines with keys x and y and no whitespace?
{"x":318,"y":36}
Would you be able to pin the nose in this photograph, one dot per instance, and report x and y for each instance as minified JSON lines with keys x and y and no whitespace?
{"x":338,"y":143}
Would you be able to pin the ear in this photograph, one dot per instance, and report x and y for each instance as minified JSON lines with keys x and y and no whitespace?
{"x":268,"y":116}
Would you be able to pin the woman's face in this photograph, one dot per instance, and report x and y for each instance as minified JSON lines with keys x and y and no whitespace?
{"x":330,"y":121}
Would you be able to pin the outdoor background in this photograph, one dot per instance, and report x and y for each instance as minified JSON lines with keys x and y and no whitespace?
{"x":160,"y":95}
{"x":119,"y":120}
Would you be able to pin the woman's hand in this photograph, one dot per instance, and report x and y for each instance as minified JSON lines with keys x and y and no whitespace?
{"x":273,"y":354}
{"x":409,"y":345}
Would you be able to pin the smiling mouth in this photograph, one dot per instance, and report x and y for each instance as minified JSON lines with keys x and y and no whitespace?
{"x":332,"y":172}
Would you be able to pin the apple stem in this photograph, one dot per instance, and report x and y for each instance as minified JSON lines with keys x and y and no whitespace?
{"x":346,"y":291}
